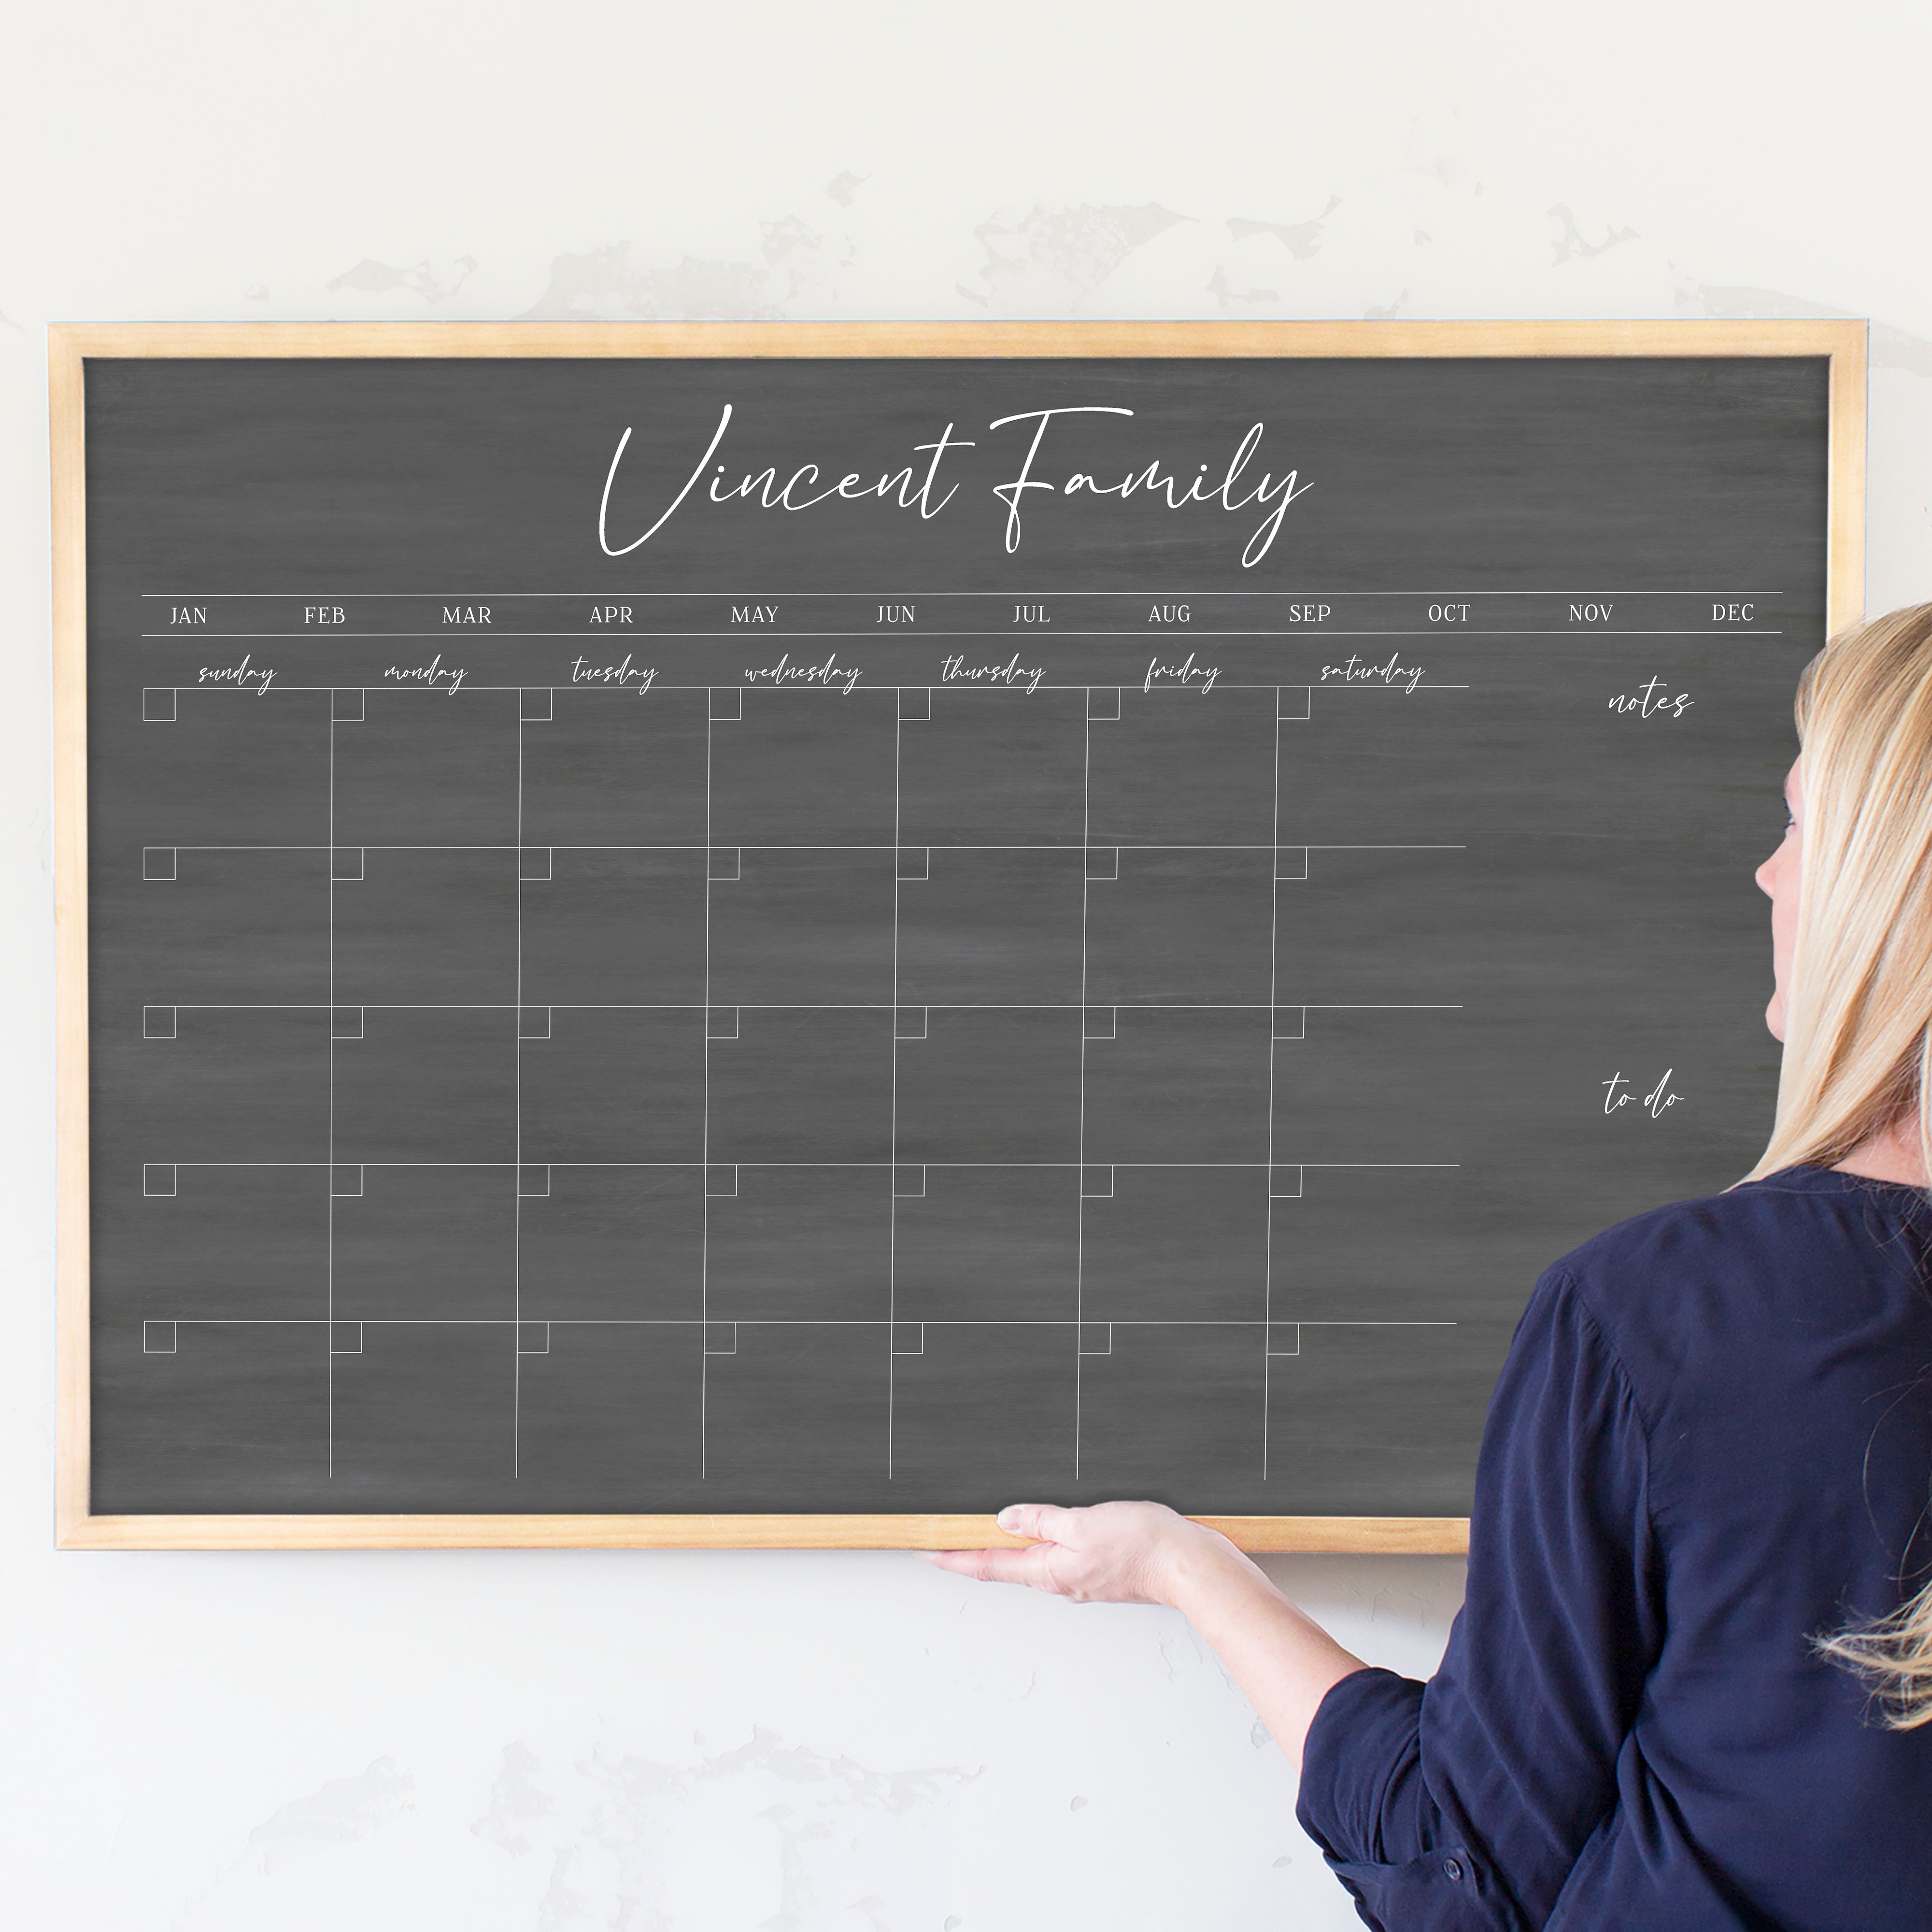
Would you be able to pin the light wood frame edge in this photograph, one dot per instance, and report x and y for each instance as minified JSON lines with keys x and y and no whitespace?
{"x":1429,"y":1536}
{"x":66,"y":425}
{"x":71,"y":344}
{"x":197,"y":340}
{"x":1845,"y":553}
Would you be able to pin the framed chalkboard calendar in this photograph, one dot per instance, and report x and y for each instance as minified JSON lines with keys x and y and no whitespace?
{"x":783,"y":934}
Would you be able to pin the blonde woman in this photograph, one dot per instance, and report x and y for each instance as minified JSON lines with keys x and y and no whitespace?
{"x":1691,"y":1686}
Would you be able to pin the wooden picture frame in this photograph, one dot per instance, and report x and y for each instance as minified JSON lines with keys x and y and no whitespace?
{"x":72,"y":346}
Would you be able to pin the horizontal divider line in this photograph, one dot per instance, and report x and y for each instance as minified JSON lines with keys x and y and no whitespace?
{"x":1449,"y":632}
{"x":971,"y":687}
{"x":886,"y":596}
{"x":738,"y":845}
{"x":878,"y":1166}
{"x":750,"y":1321}
{"x":795,"y":1006}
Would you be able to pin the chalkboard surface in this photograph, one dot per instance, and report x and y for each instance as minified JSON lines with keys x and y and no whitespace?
{"x":861,"y":933}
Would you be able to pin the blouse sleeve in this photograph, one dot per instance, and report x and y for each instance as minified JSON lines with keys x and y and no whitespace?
{"x":1462,"y":1804}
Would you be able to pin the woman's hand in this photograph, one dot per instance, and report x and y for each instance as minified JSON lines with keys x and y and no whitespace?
{"x":1112,"y":1553}
{"x":1144,"y":1553}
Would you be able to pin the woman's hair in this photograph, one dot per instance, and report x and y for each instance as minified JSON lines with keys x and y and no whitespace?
{"x":1858,"y":1027}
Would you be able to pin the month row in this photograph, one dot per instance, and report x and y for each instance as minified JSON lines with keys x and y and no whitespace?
{"x":1231,"y":615}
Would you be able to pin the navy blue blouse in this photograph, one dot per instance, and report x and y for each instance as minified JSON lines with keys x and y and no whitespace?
{"x":1712,"y":1440}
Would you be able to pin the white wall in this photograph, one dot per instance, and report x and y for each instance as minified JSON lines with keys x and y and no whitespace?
{"x":554,"y":1743}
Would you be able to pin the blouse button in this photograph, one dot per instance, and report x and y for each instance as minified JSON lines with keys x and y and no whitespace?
{"x":1452,"y":1868}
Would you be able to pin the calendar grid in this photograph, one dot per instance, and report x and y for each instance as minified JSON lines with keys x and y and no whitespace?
{"x":1109,"y":854}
